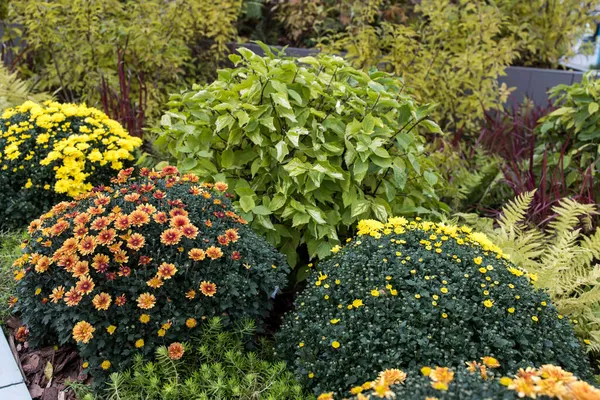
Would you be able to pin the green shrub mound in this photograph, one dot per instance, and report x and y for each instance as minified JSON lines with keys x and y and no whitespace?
{"x":214,"y":365}
{"x":404,"y":294}
{"x":141,"y":263}
{"x":52,"y":152}
{"x":311,"y":146}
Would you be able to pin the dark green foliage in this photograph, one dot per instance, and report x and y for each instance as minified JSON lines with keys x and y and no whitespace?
{"x":216,"y":366}
{"x":431,"y":295}
{"x":213,"y":248}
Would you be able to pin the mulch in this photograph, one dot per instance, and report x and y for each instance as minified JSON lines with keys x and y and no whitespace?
{"x":46,"y":369}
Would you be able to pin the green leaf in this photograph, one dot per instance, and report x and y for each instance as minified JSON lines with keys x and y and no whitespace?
{"x":261,"y":210}
{"x":300,"y":219}
{"x":227,"y":158}
{"x":593,"y":107}
{"x":247,"y":203}
{"x":281,"y":100}
{"x":359,"y":207}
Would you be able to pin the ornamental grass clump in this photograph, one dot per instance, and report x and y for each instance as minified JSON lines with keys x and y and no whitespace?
{"x":404,"y":294}
{"x":54,"y":151}
{"x":126,"y":268}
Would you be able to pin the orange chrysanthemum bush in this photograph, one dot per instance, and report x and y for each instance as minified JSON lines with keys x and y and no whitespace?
{"x":140,"y":264}
{"x":475,"y":380}
{"x":406,"y":294}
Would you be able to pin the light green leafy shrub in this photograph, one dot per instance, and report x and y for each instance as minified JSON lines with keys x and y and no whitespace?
{"x":310,"y":146}
{"x":562,"y":256}
{"x":451,"y":54}
{"x":407,"y":294}
{"x":216,"y":365}
{"x":548,"y":30}
{"x":123,"y":55}
{"x":573,"y":129}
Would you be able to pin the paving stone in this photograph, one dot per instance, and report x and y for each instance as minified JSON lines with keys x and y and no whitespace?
{"x":9,"y":372}
{"x":15,"y":392}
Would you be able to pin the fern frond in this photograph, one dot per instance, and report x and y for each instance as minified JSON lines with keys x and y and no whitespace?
{"x":513,"y":213}
{"x":14,"y":91}
{"x":568,"y":214}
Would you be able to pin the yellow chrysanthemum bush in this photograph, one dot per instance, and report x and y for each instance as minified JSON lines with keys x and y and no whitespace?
{"x":140,"y":264}
{"x":406,"y":294}
{"x":52,"y":151}
{"x":477,"y":379}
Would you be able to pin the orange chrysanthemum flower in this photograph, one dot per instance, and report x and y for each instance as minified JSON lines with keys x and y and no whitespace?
{"x":146,"y":301}
{"x":191,"y":323}
{"x":82,"y":219}
{"x":139,"y":218}
{"x":132,"y":197}
{"x":221,"y":186}
{"x":100,"y":262}
{"x":160,"y":217}
{"x":106,"y":236}
{"x":59,"y":228}
{"x":122,"y":222}
{"x":214,"y":252}
{"x":80,"y":231}
{"x":147,"y":208}
{"x":155,"y":282}
{"x":69,"y":246}
{"x":120,"y":300}
{"x":100,"y":223}
{"x":83,"y":332}
{"x":189,"y":231}
{"x":80,"y":269}
{"x":87,"y":245}
{"x":170,"y":237}
{"x":176,"y":351}
{"x":95,"y":210}
{"x":195,"y":190}
{"x":102,"y":301}
{"x":85,"y":285}
{"x":223,"y":240}
{"x":232,"y":235}
{"x":144,"y":260}
{"x":191,"y":294}
{"x":392,"y":376}
{"x":136,"y":241}
{"x":197,"y":254}
{"x":101,"y":199}
{"x":166,"y":270}
{"x":43,"y":264}
{"x":72,"y":297}
{"x":208,"y":288}
{"x":68,"y":262}
{"x":179,"y":221}
{"x":178,"y":211}
{"x":57,"y":294}
{"x":121,"y":257}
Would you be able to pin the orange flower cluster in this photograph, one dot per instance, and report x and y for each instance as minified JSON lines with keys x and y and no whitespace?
{"x":162,"y":227}
{"x":549,"y":380}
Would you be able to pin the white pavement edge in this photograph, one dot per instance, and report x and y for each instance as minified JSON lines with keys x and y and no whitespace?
{"x":12,"y":386}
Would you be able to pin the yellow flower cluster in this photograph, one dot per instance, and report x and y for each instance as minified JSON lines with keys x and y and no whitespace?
{"x":72,"y":140}
{"x":399,"y":225}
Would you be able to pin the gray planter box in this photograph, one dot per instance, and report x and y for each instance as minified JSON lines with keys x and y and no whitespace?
{"x":532,"y":83}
